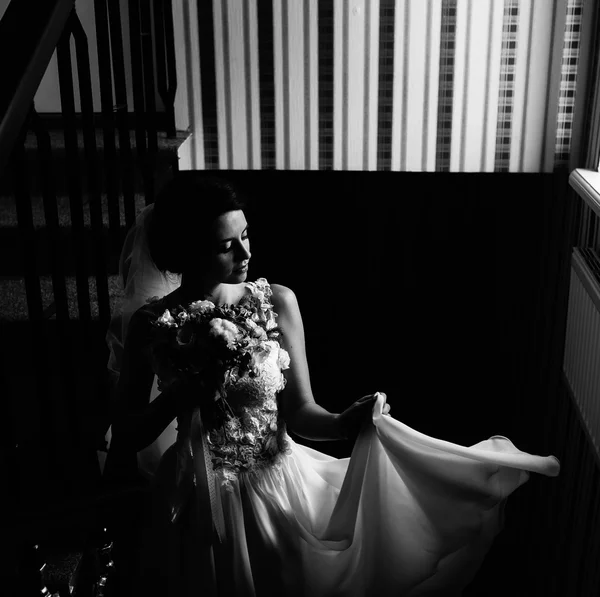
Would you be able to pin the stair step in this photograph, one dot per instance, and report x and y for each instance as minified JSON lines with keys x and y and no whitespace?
{"x":10,"y":236}
{"x":11,"y":260}
{"x":61,"y":167}
{"x":57,"y":139}
{"x":13,"y":299}
{"x":8,"y":212}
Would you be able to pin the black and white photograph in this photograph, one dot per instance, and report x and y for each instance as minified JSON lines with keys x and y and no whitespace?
{"x":300,"y":298}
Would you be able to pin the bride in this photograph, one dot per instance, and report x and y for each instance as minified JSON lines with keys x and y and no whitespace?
{"x":239,"y":507}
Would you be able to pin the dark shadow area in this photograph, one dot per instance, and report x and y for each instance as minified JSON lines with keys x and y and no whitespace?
{"x":433,"y":288}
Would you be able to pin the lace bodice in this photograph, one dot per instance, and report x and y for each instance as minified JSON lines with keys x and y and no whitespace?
{"x":250,"y":434}
{"x":236,"y":352}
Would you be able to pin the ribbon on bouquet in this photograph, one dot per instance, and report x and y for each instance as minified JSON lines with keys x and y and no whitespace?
{"x":209,"y":498}
{"x":196,"y":489}
{"x":195,"y":478}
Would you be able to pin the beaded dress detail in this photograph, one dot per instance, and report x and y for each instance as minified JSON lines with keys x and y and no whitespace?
{"x":250,"y":433}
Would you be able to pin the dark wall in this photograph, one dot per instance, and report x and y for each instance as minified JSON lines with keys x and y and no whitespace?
{"x":449,"y":293}
{"x":442,"y":290}
{"x":446,"y":291}
{"x":424,"y":286}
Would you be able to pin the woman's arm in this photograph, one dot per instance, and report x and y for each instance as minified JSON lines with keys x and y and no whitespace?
{"x":139,"y":422}
{"x":300,"y":411}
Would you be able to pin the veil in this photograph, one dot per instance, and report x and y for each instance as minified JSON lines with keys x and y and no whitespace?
{"x":141,"y":280}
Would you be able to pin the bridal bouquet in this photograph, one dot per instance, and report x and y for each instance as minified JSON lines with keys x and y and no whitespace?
{"x":212,"y":342}
{"x":235,"y":354}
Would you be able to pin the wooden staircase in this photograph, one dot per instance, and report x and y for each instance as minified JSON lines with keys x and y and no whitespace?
{"x":38,"y":484}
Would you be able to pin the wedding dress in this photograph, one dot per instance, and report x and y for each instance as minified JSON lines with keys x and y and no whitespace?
{"x":406,"y":514}
{"x":242,"y":509}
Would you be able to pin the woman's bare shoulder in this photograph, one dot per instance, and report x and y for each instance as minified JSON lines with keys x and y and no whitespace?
{"x":284,"y":301}
{"x":283,"y":294}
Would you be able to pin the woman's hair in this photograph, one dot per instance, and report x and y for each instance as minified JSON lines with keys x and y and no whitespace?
{"x":180,"y":230}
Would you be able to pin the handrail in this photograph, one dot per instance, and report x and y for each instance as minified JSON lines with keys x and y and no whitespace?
{"x":30,"y":50}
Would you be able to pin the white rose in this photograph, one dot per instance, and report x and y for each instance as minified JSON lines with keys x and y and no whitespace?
{"x":283,"y":359}
{"x":231,"y":330}
{"x":167,"y":319}
{"x":216,"y":327}
{"x":202,"y":306}
{"x":225,"y":329}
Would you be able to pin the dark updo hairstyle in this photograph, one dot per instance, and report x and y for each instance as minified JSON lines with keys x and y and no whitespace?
{"x":180,"y":229}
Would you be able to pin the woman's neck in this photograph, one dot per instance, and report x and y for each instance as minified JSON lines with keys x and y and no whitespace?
{"x":194,"y":290}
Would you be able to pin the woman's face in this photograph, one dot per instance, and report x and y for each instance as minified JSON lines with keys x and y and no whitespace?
{"x":230,"y":253}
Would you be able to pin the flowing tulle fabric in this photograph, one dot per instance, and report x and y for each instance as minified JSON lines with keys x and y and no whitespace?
{"x":406,"y":514}
{"x":142,"y":280}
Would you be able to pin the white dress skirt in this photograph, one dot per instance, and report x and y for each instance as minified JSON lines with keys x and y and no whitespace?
{"x":405,"y":515}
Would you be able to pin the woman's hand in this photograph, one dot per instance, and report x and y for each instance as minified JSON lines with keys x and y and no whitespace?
{"x":352,"y":419}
